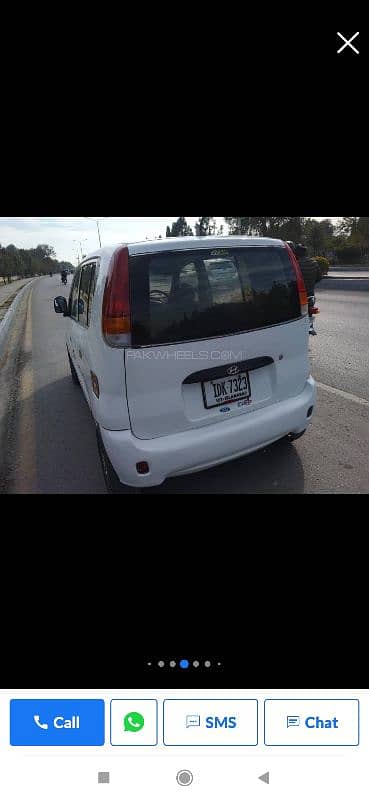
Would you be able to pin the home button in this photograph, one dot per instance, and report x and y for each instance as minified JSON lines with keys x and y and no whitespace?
{"x":184,"y":777}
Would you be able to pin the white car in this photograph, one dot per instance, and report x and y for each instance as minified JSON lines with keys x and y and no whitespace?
{"x":190,"y":352}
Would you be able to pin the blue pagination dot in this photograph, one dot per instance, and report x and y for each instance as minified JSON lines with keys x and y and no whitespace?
{"x":184,"y":664}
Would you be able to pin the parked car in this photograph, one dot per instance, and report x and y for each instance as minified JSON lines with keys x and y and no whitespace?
{"x":183,"y":371}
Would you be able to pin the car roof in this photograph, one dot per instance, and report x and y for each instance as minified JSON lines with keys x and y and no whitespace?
{"x":187,"y":243}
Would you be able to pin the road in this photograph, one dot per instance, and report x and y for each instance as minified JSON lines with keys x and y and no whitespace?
{"x":51,"y":438}
{"x":51,"y":445}
{"x":341,"y":353}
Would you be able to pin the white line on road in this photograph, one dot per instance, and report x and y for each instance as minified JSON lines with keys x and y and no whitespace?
{"x":25,"y":479}
{"x":347,"y":396}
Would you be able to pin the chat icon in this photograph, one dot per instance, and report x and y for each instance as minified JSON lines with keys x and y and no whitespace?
{"x":293,"y":722}
{"x":193,"y":721}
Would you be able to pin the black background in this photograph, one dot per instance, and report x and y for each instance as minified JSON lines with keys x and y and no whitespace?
{"x":240,"y":115}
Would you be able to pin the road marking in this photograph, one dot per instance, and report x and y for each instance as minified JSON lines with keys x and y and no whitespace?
{"x":347,"y":396}
{"x":25,"y":471}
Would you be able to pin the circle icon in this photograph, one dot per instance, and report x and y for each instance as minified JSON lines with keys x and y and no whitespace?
{"x":208,"y":664}
{"x":184,"y":664}
{"x":184,"y":777}
{"x":196,"y":664}
{"x":133,"y":722}
{"x":161,"y":664}
{"x":173,"y":664}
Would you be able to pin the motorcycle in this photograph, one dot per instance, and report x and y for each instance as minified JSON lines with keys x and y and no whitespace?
{"x":64,"y":280}
{"x":313,"y":310}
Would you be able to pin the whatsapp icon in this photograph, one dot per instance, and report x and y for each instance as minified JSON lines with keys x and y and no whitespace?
{"x":134,"y":722}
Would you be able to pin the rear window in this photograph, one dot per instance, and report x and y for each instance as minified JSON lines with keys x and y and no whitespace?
{"x":200,"y":294}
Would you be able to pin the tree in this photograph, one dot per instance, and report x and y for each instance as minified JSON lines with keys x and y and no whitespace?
{"x":239,"y":225}
{"x":261,"y":226}
{"x":292,"y":230}
{"x":44,"y":251}
{"x":314,"y":236}
{"x":348,"y":226}
{"x":328,"y":230}
{"x":363,"y":232}
{"x":269,"y":226}
{"x":27,"y":263}
{"x":10,"y":262}
{"x":320,"y":236}
{"x":179,"y":228}
{"x":205,"y":226}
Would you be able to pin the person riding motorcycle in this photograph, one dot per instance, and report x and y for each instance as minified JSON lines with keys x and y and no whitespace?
{"x":64,"y":277}
{"x":311,"y":274}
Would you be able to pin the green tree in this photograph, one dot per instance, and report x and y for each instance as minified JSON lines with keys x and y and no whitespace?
{"x":292,"y":230}
{"x":328,"y":230}
{"x":361,"y":237}
{"x":205,"y":226}
{"x":268,"y":226}
{"x":27,"y":263}
{"x":239,"y":225}
{"x":348,"y":226}
{"x":260,"y":226}
{"x":314,"y":236}
{"x":44,"y":251}
{"x":179,"y":228}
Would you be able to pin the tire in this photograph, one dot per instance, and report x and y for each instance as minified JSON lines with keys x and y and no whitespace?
{"x":75,"y":377}
{"x":112,"y":482}
{"x":292,"y":437}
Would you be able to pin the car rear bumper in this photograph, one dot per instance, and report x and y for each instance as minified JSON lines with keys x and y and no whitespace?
{"x":201,"y":448}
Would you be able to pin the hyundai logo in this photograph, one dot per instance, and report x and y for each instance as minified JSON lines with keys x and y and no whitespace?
{"x":233,"y":370}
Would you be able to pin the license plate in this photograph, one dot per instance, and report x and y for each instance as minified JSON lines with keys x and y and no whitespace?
{"x":226,"y":390}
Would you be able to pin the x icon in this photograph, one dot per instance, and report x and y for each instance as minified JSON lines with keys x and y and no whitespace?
{"x":348,"y":43}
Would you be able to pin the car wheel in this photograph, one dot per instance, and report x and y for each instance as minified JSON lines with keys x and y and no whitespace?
{"x":75,"y":377}
{"x":112,"y":482}
{"x":292,"y":437}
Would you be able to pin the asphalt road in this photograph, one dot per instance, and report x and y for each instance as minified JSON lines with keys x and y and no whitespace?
{"x":51,"y":435}
{"x":340,"y":354}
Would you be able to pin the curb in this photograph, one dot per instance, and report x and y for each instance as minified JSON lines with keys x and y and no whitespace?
{"x":6,"y":322}
{"x":347,"y":277}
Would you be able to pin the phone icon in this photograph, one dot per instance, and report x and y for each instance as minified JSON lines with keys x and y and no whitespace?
{"x":43,"y":725}
{"x":134,"y":722}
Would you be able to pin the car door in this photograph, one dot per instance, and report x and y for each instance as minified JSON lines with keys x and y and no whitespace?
{"x":72,"y":334}
{"x":82,"y":329}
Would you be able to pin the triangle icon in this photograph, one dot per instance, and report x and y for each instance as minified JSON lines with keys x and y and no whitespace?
{"x":265,"y":778}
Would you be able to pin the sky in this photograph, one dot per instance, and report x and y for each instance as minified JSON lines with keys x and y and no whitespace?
{"x":68,"y":235}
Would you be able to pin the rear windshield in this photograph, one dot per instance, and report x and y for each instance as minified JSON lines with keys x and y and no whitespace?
{"x":199,"y":294}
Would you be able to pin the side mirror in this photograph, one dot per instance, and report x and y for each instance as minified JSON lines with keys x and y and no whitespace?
{"x":61,"y":306}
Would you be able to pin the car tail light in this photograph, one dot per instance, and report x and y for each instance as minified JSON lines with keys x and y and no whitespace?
{"x":315,"y":310}
{"x":116,"y":315}
{"x":300,"y":282}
